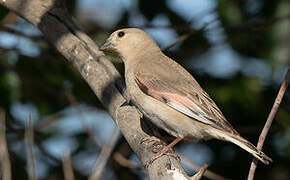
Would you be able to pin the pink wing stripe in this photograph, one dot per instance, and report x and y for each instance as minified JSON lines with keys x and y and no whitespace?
{"x":179,"y":102}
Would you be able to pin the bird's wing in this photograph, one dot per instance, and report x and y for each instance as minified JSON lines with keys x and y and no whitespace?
{"x":192,"y":100}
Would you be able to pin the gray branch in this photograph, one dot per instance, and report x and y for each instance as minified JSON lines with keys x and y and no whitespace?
{"x":52,"y":19}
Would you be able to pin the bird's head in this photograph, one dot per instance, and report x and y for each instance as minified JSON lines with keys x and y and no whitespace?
{"x":129,"y":42}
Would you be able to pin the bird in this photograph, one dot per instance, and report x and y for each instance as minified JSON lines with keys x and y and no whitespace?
{"x":169,"y":95}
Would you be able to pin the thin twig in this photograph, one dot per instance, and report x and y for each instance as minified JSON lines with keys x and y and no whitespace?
{"x":209,"y":174}
{"x":129,"y":164}
{"x":73,"y":101}
{"x":4,"y":155}
{"x":186,"y":36}
{"x":269,"y":122}
{"x":179,"y":40}
{"x":48,"y":121}
{"x":67,"y":166}
{"x":29,"y":141}
{"x":104,"y":155}
{"x":119,"y":158}
{"x":244,"y":27}
{"x":200,"y":173}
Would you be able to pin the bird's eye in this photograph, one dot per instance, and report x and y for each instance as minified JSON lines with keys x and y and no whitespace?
{"x":121,"y":34}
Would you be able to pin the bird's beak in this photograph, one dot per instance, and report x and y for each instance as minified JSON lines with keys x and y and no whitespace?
{"x":108,"y":46}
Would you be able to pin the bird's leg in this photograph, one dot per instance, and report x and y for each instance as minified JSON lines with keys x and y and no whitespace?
{"x":158,"y":141}
{"x":163,"y":151}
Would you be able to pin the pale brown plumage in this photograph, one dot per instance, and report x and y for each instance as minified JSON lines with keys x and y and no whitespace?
{"x":168,"y":95}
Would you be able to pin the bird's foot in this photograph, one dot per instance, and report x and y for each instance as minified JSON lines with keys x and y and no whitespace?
{"x":160,"y":152}
{"x":167,"y":150}
{"x":151,"y":140}
{"x":173,"y":154}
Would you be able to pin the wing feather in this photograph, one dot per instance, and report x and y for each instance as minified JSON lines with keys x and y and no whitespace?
{"x":193,"y":102}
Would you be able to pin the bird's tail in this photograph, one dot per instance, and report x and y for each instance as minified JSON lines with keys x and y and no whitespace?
{"x":243,"y":143}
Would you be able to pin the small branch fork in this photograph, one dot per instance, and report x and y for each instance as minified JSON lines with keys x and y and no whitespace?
{"x":269,"y":122}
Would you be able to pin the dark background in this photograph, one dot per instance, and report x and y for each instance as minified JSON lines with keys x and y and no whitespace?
{"x":238,"y":50}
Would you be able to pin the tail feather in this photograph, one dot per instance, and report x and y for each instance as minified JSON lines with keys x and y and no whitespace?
{"x":243,"y":143}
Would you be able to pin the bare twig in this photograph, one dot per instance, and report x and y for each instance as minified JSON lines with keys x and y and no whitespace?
{"x":186,"y":36}
{"x":73,"y":101}
{"x":29,"y":141}
{"x":104,"y":155}
{"x":47,"y":122}
{"x":67,"y":166}
{"x":4,"y":155}
{"x":179,"y":40}
{"x":209,"y":174}
{"x":200,"y":173}
{"x":269,"y":122}
{"x":118,"y":157}
{"x":244,"y":27}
